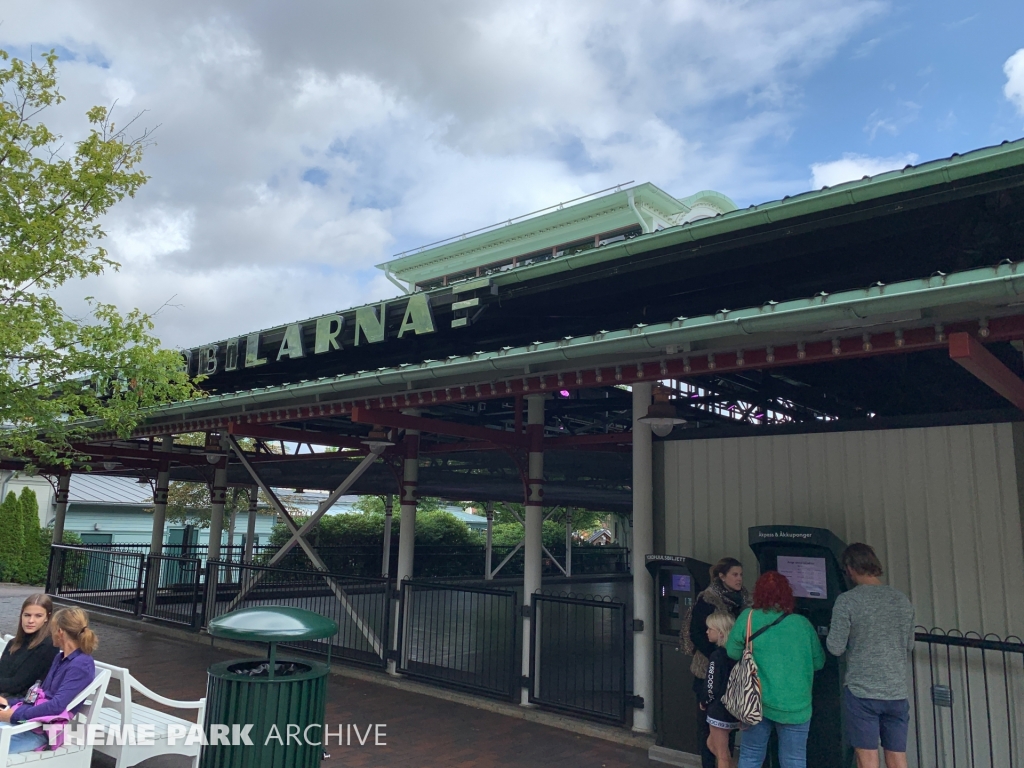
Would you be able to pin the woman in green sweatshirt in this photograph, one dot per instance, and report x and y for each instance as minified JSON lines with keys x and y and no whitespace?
{"x":788,"y":653}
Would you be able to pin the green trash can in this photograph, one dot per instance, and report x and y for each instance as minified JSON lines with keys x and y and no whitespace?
{"x":283,"y":700}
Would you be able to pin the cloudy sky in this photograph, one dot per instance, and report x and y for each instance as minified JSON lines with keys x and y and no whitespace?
{"x":300,"y":143}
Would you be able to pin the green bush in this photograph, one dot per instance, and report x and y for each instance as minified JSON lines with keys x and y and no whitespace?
{"x":12,"y":542}
{"x":433,"y":527}
{"x":35,"y":556}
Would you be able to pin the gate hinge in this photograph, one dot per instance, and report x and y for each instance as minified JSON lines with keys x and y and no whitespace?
{"x":396,"y":594}
{"x":524,"y":682}
{"x":638,"y":625}
{"x":393,"y":655}
{"x":527,"y":611}
{"x":636,"y":702}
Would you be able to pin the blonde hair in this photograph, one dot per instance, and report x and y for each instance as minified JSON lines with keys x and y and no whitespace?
{"x":722,"y":622}
{"x":75,"y":623}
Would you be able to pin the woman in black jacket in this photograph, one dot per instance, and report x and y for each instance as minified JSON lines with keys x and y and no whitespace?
{"x":727,"y":594}
{"x":27,"y":658}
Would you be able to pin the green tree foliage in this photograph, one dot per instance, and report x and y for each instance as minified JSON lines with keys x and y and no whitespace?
{"x":64,"y":375}
{"x":12,"y":540}
{"x":432,"y":527}
{"x":35,"y":555}
{"x":375,"y":504}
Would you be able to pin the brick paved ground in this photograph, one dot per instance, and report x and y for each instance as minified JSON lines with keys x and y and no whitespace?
{"x":422,"y":731}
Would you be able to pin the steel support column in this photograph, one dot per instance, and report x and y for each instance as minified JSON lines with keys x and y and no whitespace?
{"x":407,"y":521}
{"x":533,"y":544}
{"x":163,"y":479}
{"x":389,"y":505}
{"x":218,"y":497}
{"x":489,"y":551}
{"x":250,"y":526}
{"x":643,"y":545}
{"x":60,"y":511}
{"x":61,"y":508}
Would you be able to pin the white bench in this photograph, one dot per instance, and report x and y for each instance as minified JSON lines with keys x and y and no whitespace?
{"x":119,"y":710}
{"x":71,"y":755}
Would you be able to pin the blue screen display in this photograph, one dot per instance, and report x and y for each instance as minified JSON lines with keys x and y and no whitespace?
{"x":680,"y":582}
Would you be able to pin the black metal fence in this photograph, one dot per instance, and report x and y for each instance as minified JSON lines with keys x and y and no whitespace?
{"x":102,"y":578}
{"x":578,"y":656}
{"x":459,"y":636}
{"x":173,"y":590}
{"x":360,"y":606}
{"x":968,"y":700}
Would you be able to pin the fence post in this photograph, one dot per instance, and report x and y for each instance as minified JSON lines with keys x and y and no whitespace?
{"x":139,"y":584}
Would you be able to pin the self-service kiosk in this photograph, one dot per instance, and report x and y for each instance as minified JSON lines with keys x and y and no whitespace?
{"x":677,"y":719}
{"x":811,"y":558}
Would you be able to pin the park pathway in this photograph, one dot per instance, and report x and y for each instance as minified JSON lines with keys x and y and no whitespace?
{"x":422,"y":731}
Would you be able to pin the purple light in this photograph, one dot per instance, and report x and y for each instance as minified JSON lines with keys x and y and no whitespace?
{"x":563,"y":392}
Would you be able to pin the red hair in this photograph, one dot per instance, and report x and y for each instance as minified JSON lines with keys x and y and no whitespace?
{"x":774,"y":593}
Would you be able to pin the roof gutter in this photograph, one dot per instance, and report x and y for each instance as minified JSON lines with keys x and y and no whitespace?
{"x":991,"y":286}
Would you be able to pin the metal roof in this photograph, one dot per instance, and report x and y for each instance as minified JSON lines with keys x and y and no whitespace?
{"x":99,"y":489}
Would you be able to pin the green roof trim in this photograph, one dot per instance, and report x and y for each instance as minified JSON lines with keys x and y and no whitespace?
{"x":969,"y":294}
{"x":1009,"y":154}
{"x":644,"y":205}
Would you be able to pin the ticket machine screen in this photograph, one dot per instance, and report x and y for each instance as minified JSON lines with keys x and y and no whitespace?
{"x":807,"y":575}
{"x":680,"y":582}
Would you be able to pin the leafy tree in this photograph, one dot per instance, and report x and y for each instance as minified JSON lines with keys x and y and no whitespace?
{"x":375,"y":504}
{"x":12,"y":542}
{"x":35,"y":555}
{"x":64,"y":376}
{"x":432,"y":527}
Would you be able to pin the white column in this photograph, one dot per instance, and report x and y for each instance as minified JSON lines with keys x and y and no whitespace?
{"x":231,"y":524}
{"x":218,"y":495}
{"x":250,"y":527}
{"x":407,"y":521}
{"x":163,"y":479}
{"x":532,"y":565}
{"x":389,"y":505}
{"x":488,"y":552}
{"x":643,"y":545}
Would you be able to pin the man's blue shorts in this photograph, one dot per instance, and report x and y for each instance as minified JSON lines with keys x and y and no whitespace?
{"x":869,"y":721}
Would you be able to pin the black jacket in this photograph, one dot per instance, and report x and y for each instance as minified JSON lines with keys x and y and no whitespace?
{"x":19,"y":670}
{"x":719,"y":667}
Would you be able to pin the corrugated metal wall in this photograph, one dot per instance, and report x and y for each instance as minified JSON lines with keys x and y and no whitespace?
{"x":940,"y":505}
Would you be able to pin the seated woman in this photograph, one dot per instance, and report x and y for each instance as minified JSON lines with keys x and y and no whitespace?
{"x":27,"y":658}
{"x":72,"y":670}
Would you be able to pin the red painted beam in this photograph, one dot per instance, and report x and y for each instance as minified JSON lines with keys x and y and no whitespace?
{"x":436,"y":427}
{"x":972,"y":355}
{"x":270,"y":432}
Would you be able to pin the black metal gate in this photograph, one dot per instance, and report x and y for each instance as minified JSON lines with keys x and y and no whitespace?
{"x":97,"y":577}
{"x":578,"y":656}
{"x":360,"y":606}
{"x":968,"y":700}
{"x":173,"y":590}
{"x":459,"y":636}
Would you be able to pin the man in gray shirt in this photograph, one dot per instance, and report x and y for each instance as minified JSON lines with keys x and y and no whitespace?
{"x":873,"y":624}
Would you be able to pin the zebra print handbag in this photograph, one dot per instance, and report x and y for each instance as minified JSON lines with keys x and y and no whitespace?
{"x":742,"y":697}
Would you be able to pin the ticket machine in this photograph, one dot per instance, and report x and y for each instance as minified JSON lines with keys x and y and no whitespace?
{"x":811,"y":558}
{"x":677,"y":719}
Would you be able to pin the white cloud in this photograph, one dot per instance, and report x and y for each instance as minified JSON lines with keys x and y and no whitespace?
{"x":853,"y":167}
{"x":300,"y":144}
{"x":1014,"y":88}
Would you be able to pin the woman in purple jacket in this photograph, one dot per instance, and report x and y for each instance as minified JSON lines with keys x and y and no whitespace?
{"x":71,"y":672}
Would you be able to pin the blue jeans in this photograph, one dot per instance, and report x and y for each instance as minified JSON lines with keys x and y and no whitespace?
{"x":25,"y":742}
{"x":792,"y":744}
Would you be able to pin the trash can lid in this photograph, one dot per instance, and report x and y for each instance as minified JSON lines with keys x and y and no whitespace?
{"x":272,"y":623}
